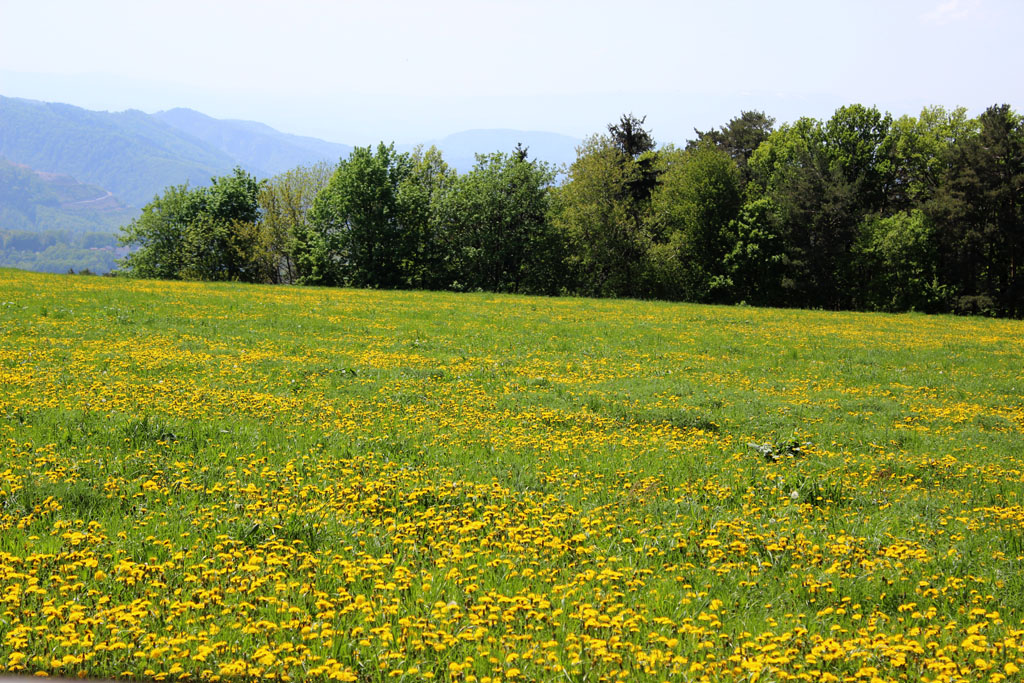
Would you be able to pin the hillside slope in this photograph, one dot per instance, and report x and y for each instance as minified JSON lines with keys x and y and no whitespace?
{"x":130,"y":153}
{"x":33,"y":200}
{"x":257,"y":147}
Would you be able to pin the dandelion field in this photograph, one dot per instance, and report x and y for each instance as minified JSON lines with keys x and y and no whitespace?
{"x":230,"y":482}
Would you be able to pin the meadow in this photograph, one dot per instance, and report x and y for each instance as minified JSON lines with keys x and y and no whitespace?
{"x":231,"y":482}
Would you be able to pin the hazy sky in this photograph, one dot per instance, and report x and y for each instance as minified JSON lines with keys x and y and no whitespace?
{"x":410,"y":71}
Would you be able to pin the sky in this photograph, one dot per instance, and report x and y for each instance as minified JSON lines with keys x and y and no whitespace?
{"x":411,"y":71}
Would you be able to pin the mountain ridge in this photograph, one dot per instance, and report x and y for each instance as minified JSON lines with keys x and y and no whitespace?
{"x":260,"y":149}
{"x":128,"y":153}
{"x":134,"y":156}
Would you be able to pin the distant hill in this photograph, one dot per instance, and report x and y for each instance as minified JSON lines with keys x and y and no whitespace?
{"x":130,"y":153}
{"x":34,"y":201}
{"x":255,"y":146}
{"x":460,"y":149}
{"x":134,"y":156}
{"x":265,"y":151}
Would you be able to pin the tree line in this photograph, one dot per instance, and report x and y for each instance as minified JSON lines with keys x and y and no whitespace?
{"x":861,"y":211}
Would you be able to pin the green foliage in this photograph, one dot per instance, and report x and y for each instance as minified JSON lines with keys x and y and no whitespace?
{"x":223,"y":241}
{"x":630,"y":137}
{"x":922,"y":151}
{"x":285,"y":201}
{"x":495,"y":217}
{"x":858,"y":211}
{"x":901,"y":262}
{"x":202,"y":233}
{"x":699,"y":194}
{"x":980,"y":216}
{"x":824,"y":179}
{"x":638,"y":151}
{"x":738,"y":138}
{"x":857,"y":143}
{"x":355,"y":234}
{"x":756,"y":265}
{"x":159,"y":234}
{"x":432,"y":262}
{"x":607,"y":235}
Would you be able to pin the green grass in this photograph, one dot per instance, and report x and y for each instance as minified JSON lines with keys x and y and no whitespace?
{"x":553,"y":488}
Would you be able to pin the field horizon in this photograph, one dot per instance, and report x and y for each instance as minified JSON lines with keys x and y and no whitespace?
{"x":221,"y":481}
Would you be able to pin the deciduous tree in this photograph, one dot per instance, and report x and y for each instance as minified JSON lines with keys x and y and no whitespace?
{"x":606,"y":231}
{"x":355,"y":234}
{"x":285,"y":201}
{"x":699,"y":194}
{"x":206,"y":233}
{"x":497,"y":217}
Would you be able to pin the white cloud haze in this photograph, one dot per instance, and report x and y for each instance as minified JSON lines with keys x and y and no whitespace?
{"x":951,"y":10}
{"x":408,"y":70}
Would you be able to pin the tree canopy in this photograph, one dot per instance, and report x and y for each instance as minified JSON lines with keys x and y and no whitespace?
{"x":859,"y":211}
{"x":206,"y":233}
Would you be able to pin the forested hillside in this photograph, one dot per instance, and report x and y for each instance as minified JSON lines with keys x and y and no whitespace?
{"x":72,"y":177}
{"x":129,"y":153}
{"x":52,"y":223}
{"x":35,"y":201}
{"x":136,"y":155}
